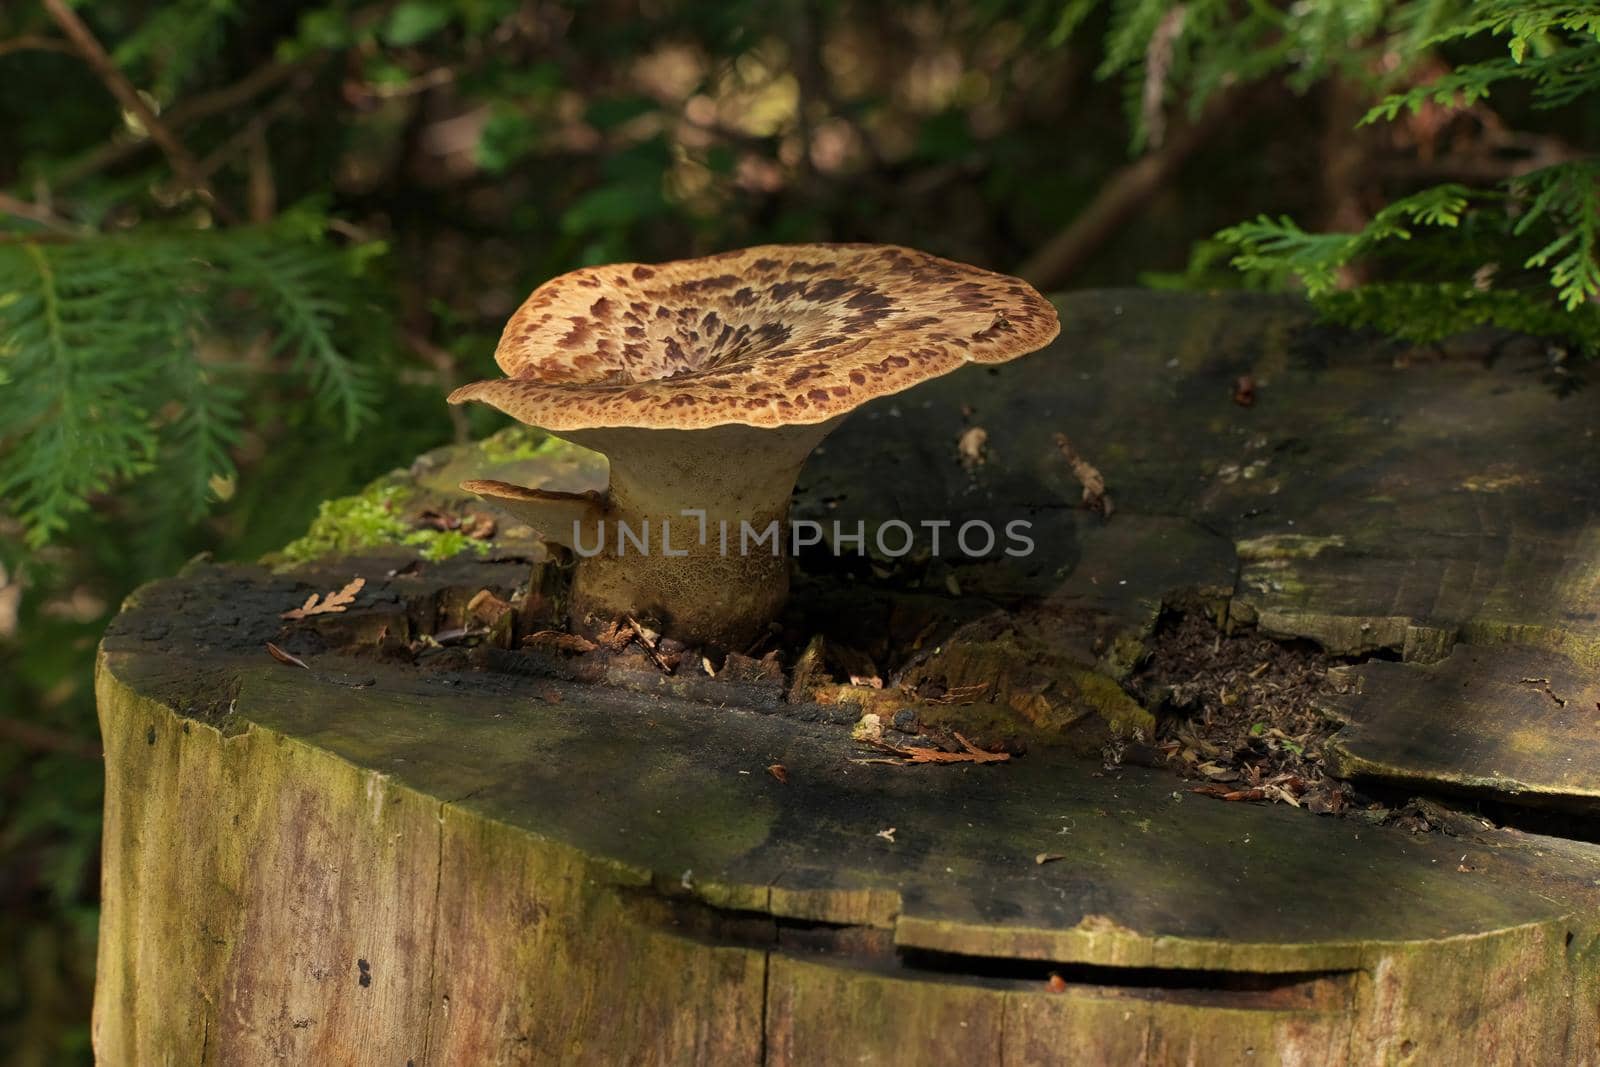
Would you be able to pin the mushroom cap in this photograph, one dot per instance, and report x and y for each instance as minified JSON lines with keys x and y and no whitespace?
{"x":774,"y":335}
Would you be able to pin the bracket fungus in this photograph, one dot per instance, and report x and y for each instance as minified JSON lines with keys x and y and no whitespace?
{"x":706,"y":383}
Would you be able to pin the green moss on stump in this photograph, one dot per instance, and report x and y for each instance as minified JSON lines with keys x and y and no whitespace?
{"x":374,"y":517}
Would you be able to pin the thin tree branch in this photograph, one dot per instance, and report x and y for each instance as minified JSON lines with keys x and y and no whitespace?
{"x":34,"y":42}
{"x":1124,"y":193}
{"x":22,"y":209}
{"x":242,"y":139}
{"x":117,"y":83}
{"x":183,"y":113}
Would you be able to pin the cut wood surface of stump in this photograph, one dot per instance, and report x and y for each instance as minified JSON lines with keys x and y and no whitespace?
{"x":431,"y":833}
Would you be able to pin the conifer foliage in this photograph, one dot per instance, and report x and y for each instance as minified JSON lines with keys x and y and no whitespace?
{"x":129,"y":355}
{"x":1521,"y":254}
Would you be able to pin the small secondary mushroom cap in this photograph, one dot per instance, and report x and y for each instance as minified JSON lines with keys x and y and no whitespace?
{"x":768,"y":336}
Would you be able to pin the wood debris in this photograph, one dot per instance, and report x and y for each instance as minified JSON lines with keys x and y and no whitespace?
{"x":285,"y":658}
{"x":1094,"y":484}
{"x":1244,"y":390}
{"x":971,"y":447}
{"x":647,"y":639}
{"x":559,"y":641}
{"x":854,"y":665}
{"x":976,"y":693}
{"x":487,"y":608}
{"x":333,"y":602}
{"x":1222,"y":792}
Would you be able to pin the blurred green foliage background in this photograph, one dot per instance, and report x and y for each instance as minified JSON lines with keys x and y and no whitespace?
{"x":247,"y":247}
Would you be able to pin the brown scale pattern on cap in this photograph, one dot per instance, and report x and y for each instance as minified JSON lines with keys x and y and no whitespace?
{"x":768,"y":336}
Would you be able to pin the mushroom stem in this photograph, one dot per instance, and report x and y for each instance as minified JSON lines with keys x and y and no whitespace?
{"x":692,"y":532}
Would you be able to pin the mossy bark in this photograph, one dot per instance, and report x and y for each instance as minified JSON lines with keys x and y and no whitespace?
{"x":395,"y":873}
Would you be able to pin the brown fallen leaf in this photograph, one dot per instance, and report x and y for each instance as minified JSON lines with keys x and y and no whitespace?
{"x":318,"y":605}
{"x":780,"y":772}
{"x":1094,"y":484}
{"x":972,"y":753}
{"x":1048,"y":857}
{"x":283,"y":657}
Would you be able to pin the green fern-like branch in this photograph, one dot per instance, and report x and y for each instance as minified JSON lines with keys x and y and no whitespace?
{"x":122,"y":360}
{"x":1566,"y":199}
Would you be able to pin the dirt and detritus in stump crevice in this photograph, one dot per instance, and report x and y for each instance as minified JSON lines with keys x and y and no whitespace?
{"x":1237,"y":713}
{"x":1238,"y":717}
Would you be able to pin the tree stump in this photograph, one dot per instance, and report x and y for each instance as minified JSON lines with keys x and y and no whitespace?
{"x":491,"y":854}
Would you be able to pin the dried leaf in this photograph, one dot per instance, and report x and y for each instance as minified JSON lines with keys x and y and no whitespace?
{"x":1048,"y":857}
{"x":780,"y":772}
{"x":283,"y":657}
{"x":971,"y":753}
{"x":333,"y":602}
{"x":887,"y":835}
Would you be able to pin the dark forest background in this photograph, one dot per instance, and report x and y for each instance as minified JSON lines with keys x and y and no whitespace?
{"x":247,"y":247}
